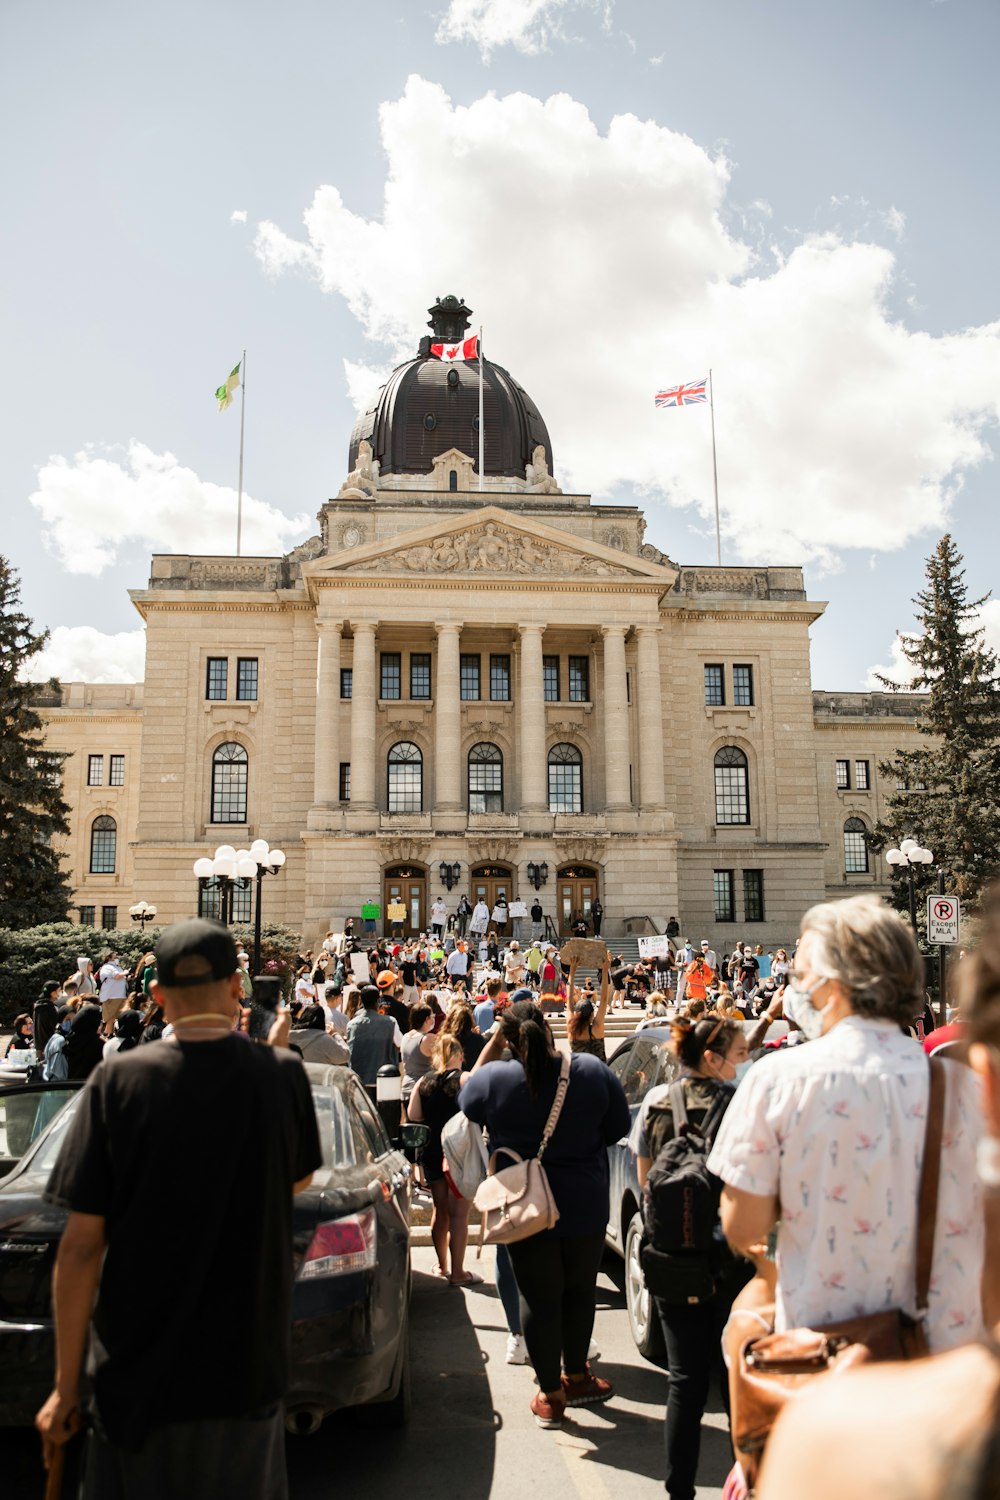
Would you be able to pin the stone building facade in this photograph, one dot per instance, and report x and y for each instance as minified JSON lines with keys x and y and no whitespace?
{"x":456,"y":683}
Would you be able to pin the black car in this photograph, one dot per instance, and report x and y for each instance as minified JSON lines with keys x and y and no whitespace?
{"x":641,"y":1062}
{"x":351,"y":1245}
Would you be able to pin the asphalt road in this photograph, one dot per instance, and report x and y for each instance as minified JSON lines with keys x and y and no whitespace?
{"x":471,"y":1433}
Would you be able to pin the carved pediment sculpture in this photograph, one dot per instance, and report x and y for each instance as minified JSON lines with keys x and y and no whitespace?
{"x":362,"y":482}
{"x":490,"y":549}
{"x":538,"y":480}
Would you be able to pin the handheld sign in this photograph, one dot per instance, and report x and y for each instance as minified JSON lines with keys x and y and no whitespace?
{"x":944,"y":913}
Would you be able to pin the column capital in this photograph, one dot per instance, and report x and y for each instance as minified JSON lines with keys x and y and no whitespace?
{"x":614,"y":630}
{"x":328,"y":627}
{"x":448,"y":627}
{"x":648,"y":629}
{"x":532,"y":629}
{"x":359,"y":625}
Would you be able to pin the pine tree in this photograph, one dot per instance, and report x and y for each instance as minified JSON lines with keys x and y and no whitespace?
{"x":33,"y":888}
{"x":950,"y":791}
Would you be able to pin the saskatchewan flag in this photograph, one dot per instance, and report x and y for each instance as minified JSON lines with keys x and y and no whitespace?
{"x":224,"y":393}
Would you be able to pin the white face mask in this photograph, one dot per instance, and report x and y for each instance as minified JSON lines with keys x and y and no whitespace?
{"x":800,"y":1009}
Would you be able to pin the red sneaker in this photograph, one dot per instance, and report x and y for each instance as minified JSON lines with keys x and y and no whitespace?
{"x":547,"y":1412}
{"x":589,"y":1390}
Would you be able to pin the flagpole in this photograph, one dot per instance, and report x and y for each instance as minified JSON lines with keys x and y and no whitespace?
{"x":239,"y":499}
{"x":715,"y":477}
{"x":482,"y":430}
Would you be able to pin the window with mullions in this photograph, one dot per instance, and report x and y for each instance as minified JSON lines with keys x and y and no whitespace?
{"x":862,"y":776}
{"x":229,"y":784}
{"x":855,"y":848}
{"x":242,"y":899}
{"x":87,"y":915}
{"x":246,"y":679}
{"x":843,"y":775}
{"x":345,"y":781}
{"x":217,"y":677}
{"x":565,"y":779}
{"x":406,"y":778}
{"x":715,"y":688}
{"x":732,"y":786}
{"x":485,"y":779}
{"x":390,"y":681}
{"x":743,"y":686}
{"x":469,"y":678}
{"x":420,"y":674}
{"x":116,"y":776}
{"x":109,"y":918}
{"x":103,"y":840}
{"x":753,"y":895}
{"x":346,"y":681}
{"x":579,"y":679}
{"x":550,"y":678}
{"x":499,"y":679}
{"x":95,"y":770}
{"x":724,"y":895}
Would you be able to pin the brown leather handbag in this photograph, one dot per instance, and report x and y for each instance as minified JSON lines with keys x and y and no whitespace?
{"x":768,"y":1370}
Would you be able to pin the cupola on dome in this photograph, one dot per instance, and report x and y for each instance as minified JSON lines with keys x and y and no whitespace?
{"x":429,"y":406}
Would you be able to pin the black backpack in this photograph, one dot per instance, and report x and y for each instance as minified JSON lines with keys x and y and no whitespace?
{"x":681,"y":1207}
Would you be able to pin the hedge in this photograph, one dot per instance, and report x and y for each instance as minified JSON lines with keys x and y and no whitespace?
{"x":34,"y":954}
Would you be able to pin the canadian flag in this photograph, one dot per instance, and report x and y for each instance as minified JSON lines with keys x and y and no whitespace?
{"x":464,"y":349}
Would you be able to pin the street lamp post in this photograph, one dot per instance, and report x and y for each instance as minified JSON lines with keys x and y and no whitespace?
{"x":142,"y":913}
{"x":229,"y":868}
{"x":908,"y":855}
{"x":267,"y":861}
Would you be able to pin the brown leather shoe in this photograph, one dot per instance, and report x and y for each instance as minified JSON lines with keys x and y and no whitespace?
{"x":590,"y":1390}
{"x":547,"y":1412}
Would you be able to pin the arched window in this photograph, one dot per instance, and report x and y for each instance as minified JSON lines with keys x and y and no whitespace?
{"x":229,"y":783}
{"x":103,"y":839}
{"x":855,"y":847}
{"x":406,"y":778}
{"x":485,"y":779}
{"x":732,"y":786}
{"x":565,"y":779}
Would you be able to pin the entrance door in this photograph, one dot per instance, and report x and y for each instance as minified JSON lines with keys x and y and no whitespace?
{"x":577,"y":891}
{"x":489,"y":882}
{"x":406,"y":883}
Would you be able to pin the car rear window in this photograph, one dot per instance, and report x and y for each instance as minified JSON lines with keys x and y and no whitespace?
{"x":648,"y":1064}
{"x":335,"y":1134}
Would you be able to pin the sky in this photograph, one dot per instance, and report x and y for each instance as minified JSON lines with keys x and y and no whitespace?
{"x":797,"y":196}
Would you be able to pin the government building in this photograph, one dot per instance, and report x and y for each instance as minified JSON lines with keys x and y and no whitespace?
{"x":476,"y":684}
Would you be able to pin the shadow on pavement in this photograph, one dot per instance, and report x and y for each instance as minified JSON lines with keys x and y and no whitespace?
{"x":452,"y":1420}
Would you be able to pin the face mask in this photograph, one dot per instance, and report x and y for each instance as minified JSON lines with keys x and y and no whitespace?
{"x":799,"y":1008}
{"x":743,"y":1068}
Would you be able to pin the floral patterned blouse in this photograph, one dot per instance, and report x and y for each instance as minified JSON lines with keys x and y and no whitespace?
{"x":835,"y":1129}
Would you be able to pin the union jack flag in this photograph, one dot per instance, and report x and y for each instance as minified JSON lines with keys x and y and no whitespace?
{"x":683,"y":395}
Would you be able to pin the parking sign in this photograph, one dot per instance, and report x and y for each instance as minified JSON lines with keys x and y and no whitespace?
{"x":943,"y":916}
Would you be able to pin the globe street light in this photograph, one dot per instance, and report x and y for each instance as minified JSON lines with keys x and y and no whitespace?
{"x":229,"y":868}
{"x":142,"y":913}
{"x":265,"y":861}
{"x":907,"y":856}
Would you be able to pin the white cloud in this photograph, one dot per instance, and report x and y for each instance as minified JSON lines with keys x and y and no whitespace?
{"x":79,"y":653}
{"x":604,"y":265}
{"x":95,"y":504}
{"x":654,"y":62}
{"x":899,"y":670}
{"x":528,"y":25}
{"x":895,"y":221}
{"x":238,"y":216}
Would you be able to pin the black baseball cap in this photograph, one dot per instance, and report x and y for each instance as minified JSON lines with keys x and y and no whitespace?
{"x":195,"y":952}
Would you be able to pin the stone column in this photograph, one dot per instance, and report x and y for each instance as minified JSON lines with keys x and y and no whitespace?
{"x":650,"y":718}
{"x":531,"y":718}
{"x":364,"y":696}
{"x":447,"y":723}
{"x":326,"y":774}
{"x":614,"y":710}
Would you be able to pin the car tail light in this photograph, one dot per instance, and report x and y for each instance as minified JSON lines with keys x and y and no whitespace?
{"x":341,"y":1245}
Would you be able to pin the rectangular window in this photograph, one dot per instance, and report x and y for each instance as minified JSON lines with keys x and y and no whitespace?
{"x":862,"y":779}
{"x":246,"y":679}
{"x":117,"y":771}
{"x":723,"y":895}
{"x":855,"y":848}
{"x":345,"y":781}
{"x":499,"y":678}
{"x":715,"y":691}
{"x":420,"y":674}
{"x":87,"y":914}
{"x":109,"y":918}
{"x":743,"y":686}
{"x":242,"y":902}
{"x":217,"y":678}
{"x":753,"y":895}
{"x":390,"y":681}
{"x":469,"y":677}
{"x":95,"y":770}
{"x":579,"y":679}
{"x":346,"y":681}
{"x":550,"y":678}
{"x":843,"y":776}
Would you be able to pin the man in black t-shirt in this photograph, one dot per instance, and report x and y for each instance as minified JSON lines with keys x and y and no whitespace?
{"x":182,"y":1159}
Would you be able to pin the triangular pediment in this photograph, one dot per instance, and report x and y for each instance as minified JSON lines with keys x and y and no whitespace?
{"x":490,"y":542}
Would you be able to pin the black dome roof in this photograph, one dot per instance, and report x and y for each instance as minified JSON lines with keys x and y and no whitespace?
{"x":429,"y":405}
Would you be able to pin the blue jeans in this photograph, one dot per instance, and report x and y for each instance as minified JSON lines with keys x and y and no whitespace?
{"x":507,"y":1290}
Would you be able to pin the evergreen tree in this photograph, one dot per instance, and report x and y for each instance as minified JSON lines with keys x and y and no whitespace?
{"x":950,"y":797}
{"x":33,"y":887}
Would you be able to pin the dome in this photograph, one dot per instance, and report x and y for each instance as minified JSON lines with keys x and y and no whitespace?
{"x":429,"y":405}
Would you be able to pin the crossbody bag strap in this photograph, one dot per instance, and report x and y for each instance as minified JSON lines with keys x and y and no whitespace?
{"x":930,"y":1177}
{"x":678,"y":1106}
{"x":557,"y":1104}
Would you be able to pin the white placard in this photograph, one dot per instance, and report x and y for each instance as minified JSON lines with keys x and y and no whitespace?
{"x":518,"y":909}
{"x":654,"y":947}
{"x":944,"y":914}
{"x":360,"y":968}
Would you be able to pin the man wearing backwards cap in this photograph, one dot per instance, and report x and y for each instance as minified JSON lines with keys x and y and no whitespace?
{"x":184,"y":1156}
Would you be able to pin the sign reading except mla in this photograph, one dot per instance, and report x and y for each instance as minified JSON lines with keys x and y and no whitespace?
{"x":944,"y":914}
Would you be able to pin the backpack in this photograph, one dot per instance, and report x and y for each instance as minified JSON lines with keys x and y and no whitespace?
{"x":680,"y":1255}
